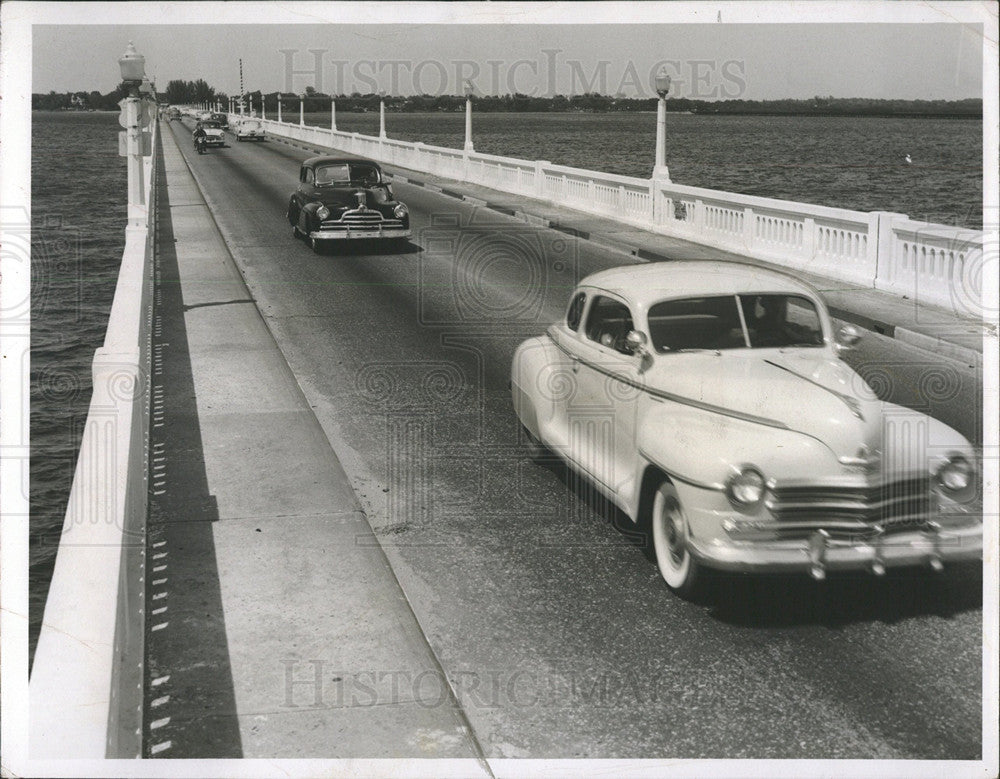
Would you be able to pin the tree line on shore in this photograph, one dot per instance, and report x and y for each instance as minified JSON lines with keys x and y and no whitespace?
{"x":197,"y":92}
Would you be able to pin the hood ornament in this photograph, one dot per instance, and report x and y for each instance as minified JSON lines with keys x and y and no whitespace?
{"x":866,"y":459}
{"x":362,"y":199}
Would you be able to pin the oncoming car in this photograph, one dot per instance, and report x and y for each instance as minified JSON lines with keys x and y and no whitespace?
{"x":345,"y":199}
{"x":708,"y":401}
{"x":214,"y":136}
{"x":249,"y":129}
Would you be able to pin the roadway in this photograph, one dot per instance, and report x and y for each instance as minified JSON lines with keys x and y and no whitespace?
{"x":557,"y":634}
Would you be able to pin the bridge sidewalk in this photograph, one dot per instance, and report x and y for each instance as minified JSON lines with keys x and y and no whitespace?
{"x":276,"y":627}
{"x":956,"y":334}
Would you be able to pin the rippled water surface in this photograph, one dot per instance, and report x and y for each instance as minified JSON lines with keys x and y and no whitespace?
{"x":78,"y":221}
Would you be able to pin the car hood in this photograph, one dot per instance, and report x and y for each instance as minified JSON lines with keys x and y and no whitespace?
{"x":807,"y":391}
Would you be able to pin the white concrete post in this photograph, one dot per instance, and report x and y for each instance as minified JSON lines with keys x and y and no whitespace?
{"x":131,"y":113}
{"x":302,"y":110}
{"x":468,"y":123}
{"x":333,"y":115}
{"x":381,"y":117}
{"x":263,"y":109}
{"x":279,"y":108}
{"x":660,"y":170}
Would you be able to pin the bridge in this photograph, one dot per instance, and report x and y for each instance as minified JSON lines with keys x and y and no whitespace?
{"x":305,"y":525}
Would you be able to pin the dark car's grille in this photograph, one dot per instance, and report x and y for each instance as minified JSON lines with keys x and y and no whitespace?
{"x":894,"y":505}
{"x":362,"y":219}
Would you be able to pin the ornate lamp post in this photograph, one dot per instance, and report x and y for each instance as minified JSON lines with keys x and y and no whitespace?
{"x":381,"y":114}
{"x":302,"y":110}
{"x":133,"y":118}
{"x":660,"y":170}
{"x":469,"y":89}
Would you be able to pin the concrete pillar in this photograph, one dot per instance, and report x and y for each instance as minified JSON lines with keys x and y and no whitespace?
{"x":333,"y":115}
{"x":302,"y":110}
{"x":660,"y":170}
{"x":131,"y":114}
{"x":468,"y":123}
{"x":279,"y":107}
{"x":381,"y":117}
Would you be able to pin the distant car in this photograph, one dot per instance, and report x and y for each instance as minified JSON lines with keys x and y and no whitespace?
{"x":345,"y":199}
{"x":249,"y":129}
{"x":222,"y":120}
{"x":214,"y":136}
{"x":708,"y":401}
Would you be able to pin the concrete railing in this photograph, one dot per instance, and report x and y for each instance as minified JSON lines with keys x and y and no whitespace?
{"x":86,"y":681}
{"x":930,"y":263}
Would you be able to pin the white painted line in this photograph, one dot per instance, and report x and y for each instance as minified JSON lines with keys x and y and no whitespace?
{"x":159,"y":596}
{"x":159,"y":610}
{"x":160,"y":701}
{"x":157,"y":748}
{"x":159,"y":723}
{"x":160,"y":680}
{"x":158,"y":582}
{"x":160,"y":626}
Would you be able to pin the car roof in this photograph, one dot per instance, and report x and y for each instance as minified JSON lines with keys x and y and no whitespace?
{"x":312,"y":162}
{"x":644,"y":285}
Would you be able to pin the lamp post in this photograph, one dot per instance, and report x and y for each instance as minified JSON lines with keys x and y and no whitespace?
{"x":468,"y":116}
{"x":133,"y":118}
{"x":660,"y":170}
{"x":302,"y":110}
{"x":279,"y":107}
{"x":263,"y":109}
{"x":333,"y":114}
{"x":381,"y":114}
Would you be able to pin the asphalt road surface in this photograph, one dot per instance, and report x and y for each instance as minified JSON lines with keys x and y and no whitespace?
{"x":556,"y":631}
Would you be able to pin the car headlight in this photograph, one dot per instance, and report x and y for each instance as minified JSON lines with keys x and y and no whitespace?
{"x":746,"y":488}
{"x":955,"y":478}
{"x":323,"y":212}
{"x":400,"y":211}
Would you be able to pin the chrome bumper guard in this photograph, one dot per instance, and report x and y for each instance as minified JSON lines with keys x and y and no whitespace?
{"x":929,"y":545}
{"x":348,"y":233}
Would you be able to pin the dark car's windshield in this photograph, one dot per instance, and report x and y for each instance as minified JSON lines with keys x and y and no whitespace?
{"x":346,"y":174}
{"x":715,"y":322}
{"x":211,"y":125}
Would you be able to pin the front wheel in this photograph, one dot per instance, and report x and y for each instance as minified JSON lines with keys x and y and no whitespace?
{"x":669,"y":528}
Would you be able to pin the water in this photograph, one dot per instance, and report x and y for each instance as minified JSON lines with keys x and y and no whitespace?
{"x":79,"y":213}
{"x":78,"y":235}
{"x":846,"y":162}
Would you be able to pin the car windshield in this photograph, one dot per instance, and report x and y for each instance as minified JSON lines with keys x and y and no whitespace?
{"x":251,"y":125}
{"x":715,"y":323}
{"x":346,"y":174}
{"x":211,"y":125}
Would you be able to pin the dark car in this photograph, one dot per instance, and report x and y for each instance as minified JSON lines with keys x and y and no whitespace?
{"x":222,"y":119}
{"x":341,"y":198}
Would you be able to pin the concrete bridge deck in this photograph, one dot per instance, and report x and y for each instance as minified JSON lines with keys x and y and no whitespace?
{"x":268,"y":590}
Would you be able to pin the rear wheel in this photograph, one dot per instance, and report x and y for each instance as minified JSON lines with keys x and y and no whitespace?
{"x":669,"y":528}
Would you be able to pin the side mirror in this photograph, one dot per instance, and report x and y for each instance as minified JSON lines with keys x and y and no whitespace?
{"x":848,"y":336}
{"x":636,"y":342}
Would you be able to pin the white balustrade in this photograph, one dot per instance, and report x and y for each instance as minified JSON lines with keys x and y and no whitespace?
{"x":872,"y":249}
{"x":85,"y":693}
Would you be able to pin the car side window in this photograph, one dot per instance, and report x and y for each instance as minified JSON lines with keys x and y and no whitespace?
{"x":575,"y":311}
{"x":307,"y":176}
{"x":608,"y":322}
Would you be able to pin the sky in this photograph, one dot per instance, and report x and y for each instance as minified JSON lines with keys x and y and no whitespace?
{"x":708,"y":61}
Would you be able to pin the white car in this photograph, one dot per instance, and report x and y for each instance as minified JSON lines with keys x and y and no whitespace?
{"x":249,"y":129}
{"x":708,"y":401}
{"x":214,"y":134}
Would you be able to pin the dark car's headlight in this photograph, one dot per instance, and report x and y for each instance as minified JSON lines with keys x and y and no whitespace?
{"x":323,"y":212}
{"x":956,"y":478}
{"x":400,"y":211}
{"x":746,"y":488}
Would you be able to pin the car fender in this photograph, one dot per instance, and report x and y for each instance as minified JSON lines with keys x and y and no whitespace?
{"x":535,"y":383}
{"x":704,"y":448}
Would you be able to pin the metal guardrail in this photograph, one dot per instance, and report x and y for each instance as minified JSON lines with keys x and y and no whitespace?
{"x":85,"y":692}
{"x":926,"y":262}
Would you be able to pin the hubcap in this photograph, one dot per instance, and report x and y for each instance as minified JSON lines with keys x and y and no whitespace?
{"x":674,"y":527}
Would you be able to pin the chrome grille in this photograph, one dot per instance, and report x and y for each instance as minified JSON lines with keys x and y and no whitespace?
{"x":899,"y":504}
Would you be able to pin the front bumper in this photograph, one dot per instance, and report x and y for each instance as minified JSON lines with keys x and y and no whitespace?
{"x":215,"y":141}
{"x":931,"y":545}
{"x":360,"y":233}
